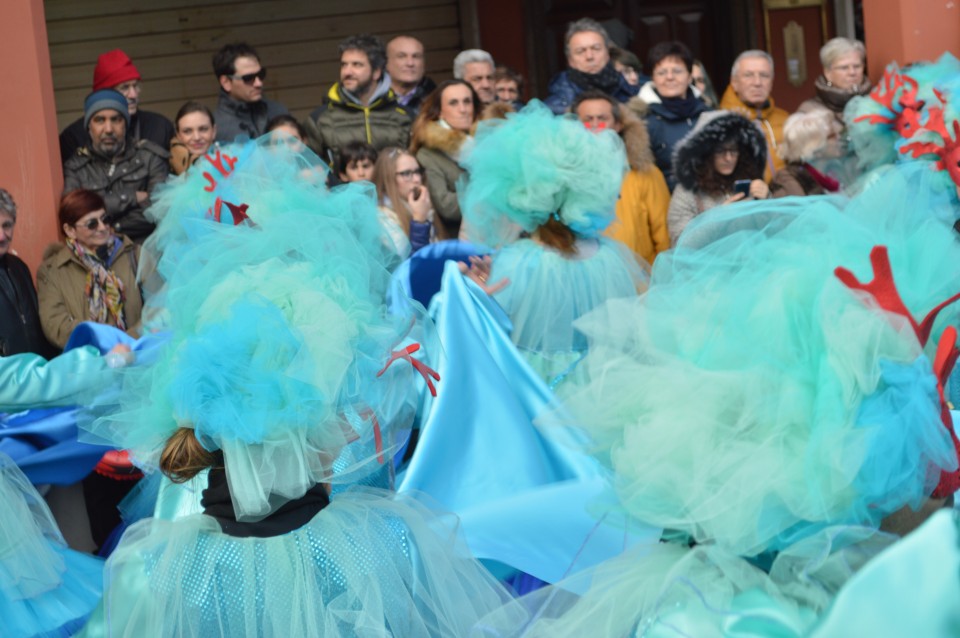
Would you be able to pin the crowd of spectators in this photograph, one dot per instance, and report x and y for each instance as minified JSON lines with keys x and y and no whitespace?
{"x":384,"y":121}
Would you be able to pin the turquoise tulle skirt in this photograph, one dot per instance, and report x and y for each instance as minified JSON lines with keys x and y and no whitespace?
{"x":704,"y":591}
{"x":767,"y":415}
{"x":46,"y":589}
{"x":749,"y":398}
{"x":369,"y":564}
{"x":548,"y":292}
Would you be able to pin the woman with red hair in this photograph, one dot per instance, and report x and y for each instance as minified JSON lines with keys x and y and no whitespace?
{"x":91,"y":276}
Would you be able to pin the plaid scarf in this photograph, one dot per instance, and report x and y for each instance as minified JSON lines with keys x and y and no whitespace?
{"x":104,"y":289}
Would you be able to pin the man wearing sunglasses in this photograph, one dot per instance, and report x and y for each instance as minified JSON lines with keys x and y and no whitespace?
{"x":242,"y":109}
{"x":121,"y":170}
{"x":115,"y":70}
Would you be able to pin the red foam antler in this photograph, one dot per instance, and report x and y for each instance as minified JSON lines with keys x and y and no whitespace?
{"x":948,"y":150}
{"x":377,"y":433}
{"x":886,"y":89}
{"x":425,"y":371}
{"x":906,"y":110}
{"x":884,"y":291}
{"x":239,"y":213}
{"x":882,"y":287}
{"x":943,"y":363}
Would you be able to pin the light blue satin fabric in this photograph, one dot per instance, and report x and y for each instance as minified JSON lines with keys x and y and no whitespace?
{"x":526,"y":498}
{"x":40,"y":436}
{"x":30,"y":381}
{"x":104,"y":338}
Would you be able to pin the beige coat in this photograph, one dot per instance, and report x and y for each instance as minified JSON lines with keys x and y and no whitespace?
{"x":60,"y":288}
{"x":438,"y":154}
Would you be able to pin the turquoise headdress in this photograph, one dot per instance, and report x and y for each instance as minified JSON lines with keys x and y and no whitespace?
{"x":533,"y":165}
{"x":281,"y":345}
{"x":903,"y":109}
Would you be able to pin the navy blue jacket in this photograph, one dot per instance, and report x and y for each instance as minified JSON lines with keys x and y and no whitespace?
{"x":666,"y":129}
{"x":562,"y":91}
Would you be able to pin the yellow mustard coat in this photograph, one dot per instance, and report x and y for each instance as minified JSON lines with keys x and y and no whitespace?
{"x":641,"y":221}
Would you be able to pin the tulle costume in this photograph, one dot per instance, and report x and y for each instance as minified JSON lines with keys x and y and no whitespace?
{"x":522,"y":172}
{"x":37,"y":431}
{"x":908,"y":116}
{"x":528,"y":499}
{"x":525,"y":496}
{"x":46,"y":589}
{"x":282,"y":360}
{"x":769,"y":407}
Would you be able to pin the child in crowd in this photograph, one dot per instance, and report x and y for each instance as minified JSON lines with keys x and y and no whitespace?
{"x":356,"y":162}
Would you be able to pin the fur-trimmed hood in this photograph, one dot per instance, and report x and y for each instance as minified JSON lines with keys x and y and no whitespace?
{"x":438,"y":137}
{"x":637,"y":140}
{"x":712,"y":130}
{"x":494,"y":111}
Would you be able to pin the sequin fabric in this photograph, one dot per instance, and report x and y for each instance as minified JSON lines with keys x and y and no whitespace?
{"x":222,"y":584}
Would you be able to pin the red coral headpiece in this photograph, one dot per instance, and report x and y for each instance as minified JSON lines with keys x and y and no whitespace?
{"x":883,"y":289}
{"x":906,"y":111}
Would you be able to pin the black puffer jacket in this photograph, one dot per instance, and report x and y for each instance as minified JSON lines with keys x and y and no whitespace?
{"x":712,"y":131}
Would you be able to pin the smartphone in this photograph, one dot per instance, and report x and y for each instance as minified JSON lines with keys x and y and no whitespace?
{"x":742,"y":186}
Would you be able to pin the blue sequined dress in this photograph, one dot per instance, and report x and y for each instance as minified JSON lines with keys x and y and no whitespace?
{"x":368,"y":564}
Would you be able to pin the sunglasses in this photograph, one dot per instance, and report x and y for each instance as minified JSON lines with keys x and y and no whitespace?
{"x":93,"y":224}
{"x":248,"y":78}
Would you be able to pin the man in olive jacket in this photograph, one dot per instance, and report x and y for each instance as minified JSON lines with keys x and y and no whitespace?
{"x":122,"y":171}
{"x":361,"y":106}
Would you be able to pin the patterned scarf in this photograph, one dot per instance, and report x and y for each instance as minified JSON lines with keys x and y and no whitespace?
{"x":104,"y":289}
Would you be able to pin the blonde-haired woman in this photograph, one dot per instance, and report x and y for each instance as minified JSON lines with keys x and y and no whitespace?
{"x":809,"y":139}
{"x":406,"y":210}
{"x":844,"y":63}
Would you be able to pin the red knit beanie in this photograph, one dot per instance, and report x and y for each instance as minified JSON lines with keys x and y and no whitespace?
{"x":113,"y":68}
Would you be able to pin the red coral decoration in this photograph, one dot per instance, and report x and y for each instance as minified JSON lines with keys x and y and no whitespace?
{"x":948,"y":150}
{"x":883,"y":289}
{"x":239,"y":213}
{"x":906,"y":111}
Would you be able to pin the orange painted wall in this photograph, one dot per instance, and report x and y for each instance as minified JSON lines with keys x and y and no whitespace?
{"x":909,"y":31}
{"x":30,"y":159}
